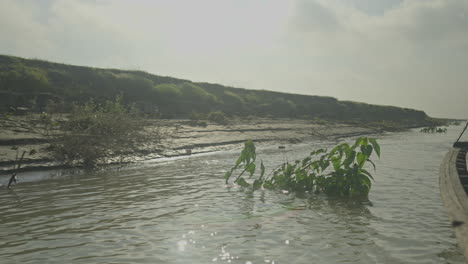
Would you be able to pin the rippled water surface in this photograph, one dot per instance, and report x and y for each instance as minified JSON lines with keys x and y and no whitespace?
{"x":181,"y":211}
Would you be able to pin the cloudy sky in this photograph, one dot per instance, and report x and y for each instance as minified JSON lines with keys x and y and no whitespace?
{"x":410,"y":53}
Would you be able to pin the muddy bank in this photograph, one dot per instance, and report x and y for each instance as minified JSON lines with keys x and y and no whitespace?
{"x":25,"y":133}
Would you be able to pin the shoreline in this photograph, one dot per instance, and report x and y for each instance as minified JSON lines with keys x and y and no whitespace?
{"x":23,"y":133}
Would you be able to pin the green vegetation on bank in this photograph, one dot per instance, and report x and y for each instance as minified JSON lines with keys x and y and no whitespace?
{"x":338,"y":172}
{"x":433,"y":129}
{"x":33,"y":84}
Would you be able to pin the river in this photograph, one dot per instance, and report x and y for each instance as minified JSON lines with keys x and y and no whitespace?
{"x":180,"y":211}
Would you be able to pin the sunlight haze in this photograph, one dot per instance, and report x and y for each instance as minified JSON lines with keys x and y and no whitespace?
{"x":410,"y":53}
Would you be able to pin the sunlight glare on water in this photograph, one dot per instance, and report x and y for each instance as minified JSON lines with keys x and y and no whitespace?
{"x":183,"y":212}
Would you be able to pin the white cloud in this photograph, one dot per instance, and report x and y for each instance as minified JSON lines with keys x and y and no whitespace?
{"x":20,"y":34}
{"x":412,"y":56}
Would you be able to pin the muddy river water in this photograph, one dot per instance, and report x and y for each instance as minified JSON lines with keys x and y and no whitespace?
{"x":180,"y":211}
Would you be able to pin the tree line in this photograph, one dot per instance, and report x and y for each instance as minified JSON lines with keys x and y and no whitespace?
{"x":33,"y":84}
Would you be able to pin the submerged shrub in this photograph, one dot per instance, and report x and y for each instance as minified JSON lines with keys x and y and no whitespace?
{"x":338,"y":172}
{"x":93,"y":133}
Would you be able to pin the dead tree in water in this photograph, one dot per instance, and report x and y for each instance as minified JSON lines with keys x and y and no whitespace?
{"x":18,"y":166}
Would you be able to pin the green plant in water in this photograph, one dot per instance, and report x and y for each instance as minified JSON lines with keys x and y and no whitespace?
{"x":339,"y":172}
{"x":246,"y":162}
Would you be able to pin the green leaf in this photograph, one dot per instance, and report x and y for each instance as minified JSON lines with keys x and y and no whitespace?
{"x":356,"y":143}
{"x":262,"y":169}
{"x":350,"y":158}
{"x":375,"y":145}
{"x":334,"y":150}
{"x":366,"y":181}
{"x":365,"y":172}
{"x":251,"y":169}
{"x":239,"y":161}
{"x":361,"y":158}
{"x":227,"y":175}
{"x":369,"y":149}
{"x":306,"y":160}
{"x":242,"y":182}
{"x":361,"y":141}
{"x":324,"y":165}
{"x":364,"y":140}
{"x":318,"y":151}
{"x":336,"y":163}
{"x":373,"y":164}
{"x":345,"y":148}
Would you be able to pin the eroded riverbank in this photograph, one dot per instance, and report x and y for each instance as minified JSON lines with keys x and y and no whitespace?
{"x":25,"y":133}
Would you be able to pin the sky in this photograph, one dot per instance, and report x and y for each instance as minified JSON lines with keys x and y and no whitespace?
{"x":408,"y":53}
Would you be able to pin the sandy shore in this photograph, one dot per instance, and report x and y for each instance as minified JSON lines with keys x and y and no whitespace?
{"x":25,"y":133}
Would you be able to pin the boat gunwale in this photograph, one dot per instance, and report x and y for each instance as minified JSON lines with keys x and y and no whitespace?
{"x":455,"y":198}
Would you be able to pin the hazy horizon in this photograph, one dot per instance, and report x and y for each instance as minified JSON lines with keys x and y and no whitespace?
{"x":404,"y":53}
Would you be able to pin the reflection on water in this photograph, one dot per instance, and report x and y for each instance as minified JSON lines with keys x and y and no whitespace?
{"x":182,"y":212}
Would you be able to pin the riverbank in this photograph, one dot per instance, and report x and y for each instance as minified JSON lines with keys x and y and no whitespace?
{"x":181,"y":137}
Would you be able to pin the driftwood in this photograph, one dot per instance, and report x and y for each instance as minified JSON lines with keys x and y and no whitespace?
{"x":18,"y":166}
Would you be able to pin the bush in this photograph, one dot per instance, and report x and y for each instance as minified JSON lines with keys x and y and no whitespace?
{"x":218,"y":118}
{"x":433,"y":129}
{"x":320,"y":121}
{"x":196,"y":119}
{"x":94,"y":133}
